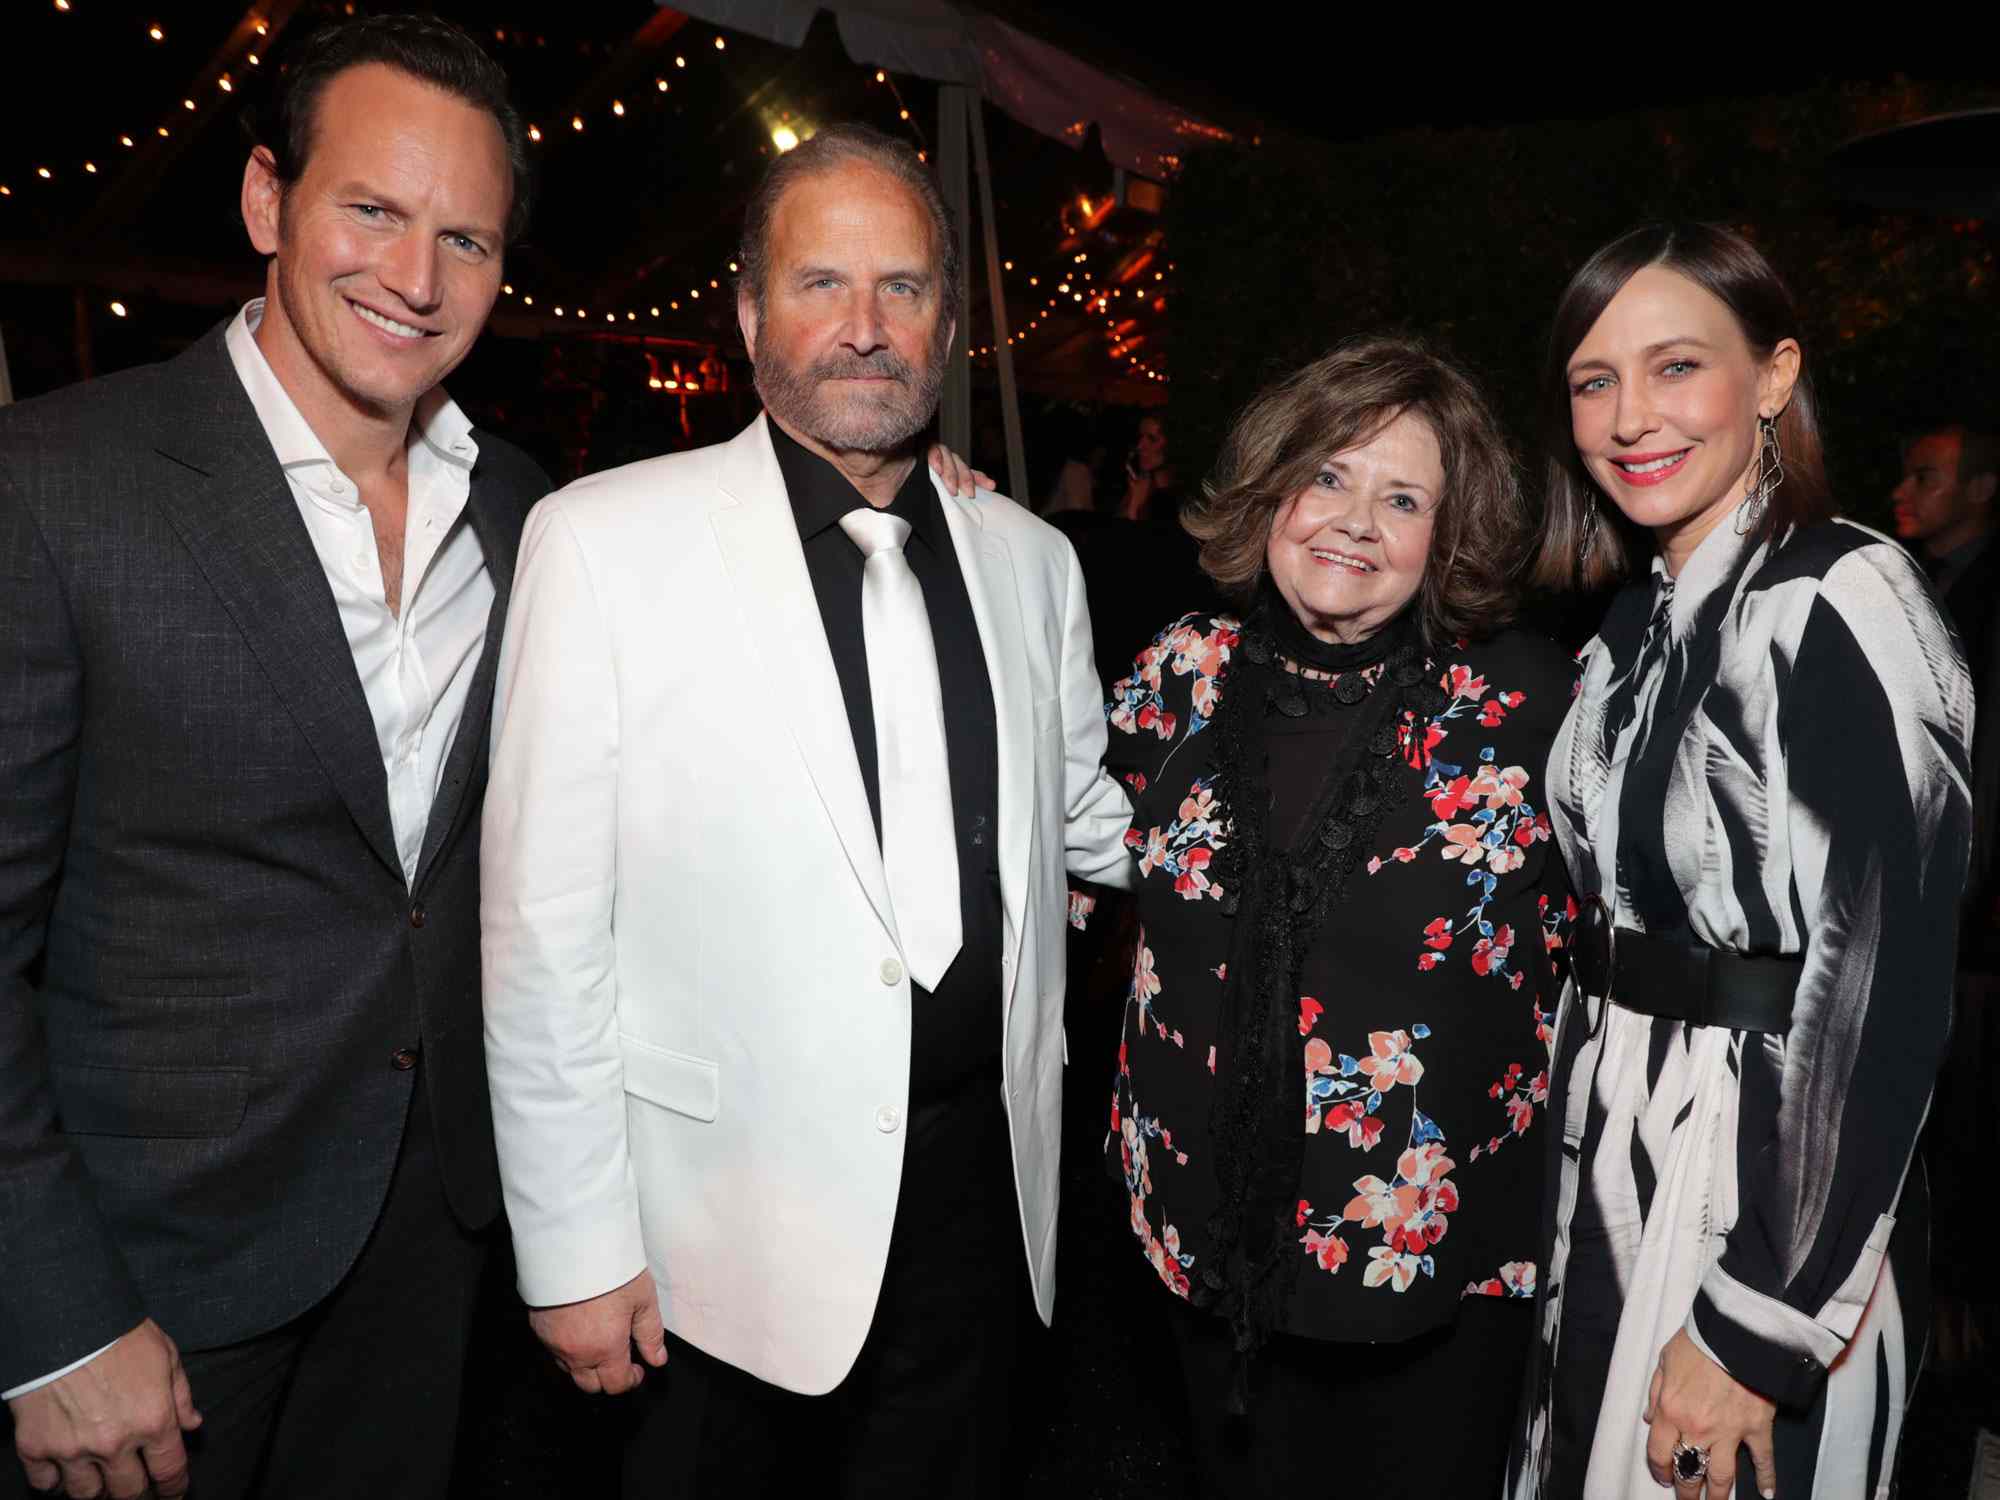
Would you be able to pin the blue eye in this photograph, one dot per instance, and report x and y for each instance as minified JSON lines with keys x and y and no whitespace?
{"x":1591,"y":386}
{"x":1327,"y":479}
{"x":1679,"y":365}
{"x":1403,"y":502}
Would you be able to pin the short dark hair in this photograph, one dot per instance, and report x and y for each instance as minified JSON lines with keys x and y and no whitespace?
{"x":1978,"y":447}
{"x":428,"y":49}
{"x":1728,"y":267}
{"x":831,"y":148}
{"x":1346,"y":397}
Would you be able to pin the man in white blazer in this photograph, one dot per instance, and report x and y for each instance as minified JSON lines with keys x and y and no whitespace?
{"x":792,"y":753}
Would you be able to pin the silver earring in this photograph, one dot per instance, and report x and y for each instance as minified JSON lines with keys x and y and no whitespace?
{"x":1766,"y":475}
{"x":1589,"y":535}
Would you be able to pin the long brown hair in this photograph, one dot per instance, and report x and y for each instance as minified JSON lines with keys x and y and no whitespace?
{"x":1343,"y":398}
{"x":1730,"y":268}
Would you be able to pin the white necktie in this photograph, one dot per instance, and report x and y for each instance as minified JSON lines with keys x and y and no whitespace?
{"x":919,"y":851}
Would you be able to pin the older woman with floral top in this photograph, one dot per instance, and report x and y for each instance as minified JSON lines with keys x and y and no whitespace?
{"x":1338,"y":1025}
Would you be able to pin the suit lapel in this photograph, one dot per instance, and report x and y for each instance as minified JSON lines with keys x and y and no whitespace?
{"x":988,"y":567}
{"x":496,"y":522}
{"x":233,"y":509}
{"x":760,"y":545}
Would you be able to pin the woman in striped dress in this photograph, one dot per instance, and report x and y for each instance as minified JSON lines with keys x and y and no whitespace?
{"x":1763,"y":783}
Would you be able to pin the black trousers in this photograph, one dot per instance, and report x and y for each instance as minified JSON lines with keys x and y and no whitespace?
{"x":1430,"y":1416}
{"x":360,"y":1396}
{"x":927,"y":1409}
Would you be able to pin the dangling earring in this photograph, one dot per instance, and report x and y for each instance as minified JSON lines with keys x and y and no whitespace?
{"x":1589,"y":536}
{"x":1766,"y":475}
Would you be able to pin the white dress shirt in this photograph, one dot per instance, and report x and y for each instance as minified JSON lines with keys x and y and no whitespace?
{"x":417,"y":668}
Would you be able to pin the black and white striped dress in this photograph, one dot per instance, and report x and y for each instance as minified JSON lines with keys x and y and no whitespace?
{"x":1767,"y":755}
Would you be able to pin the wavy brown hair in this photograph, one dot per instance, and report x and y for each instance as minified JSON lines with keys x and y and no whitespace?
{"x":1343,"y":399}
{"x":1730,"y":268}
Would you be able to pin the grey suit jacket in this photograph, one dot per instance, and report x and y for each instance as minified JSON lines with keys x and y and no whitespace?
{"x":208,"y":953}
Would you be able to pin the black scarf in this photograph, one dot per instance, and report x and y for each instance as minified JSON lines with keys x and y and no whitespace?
{"x":1279,"y":900}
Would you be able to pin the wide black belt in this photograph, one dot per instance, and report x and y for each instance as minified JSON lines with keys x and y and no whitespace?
{"x":1660,"y":977}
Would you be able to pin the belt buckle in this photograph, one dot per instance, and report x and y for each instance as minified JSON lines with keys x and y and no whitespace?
{"x":1595,"y":949}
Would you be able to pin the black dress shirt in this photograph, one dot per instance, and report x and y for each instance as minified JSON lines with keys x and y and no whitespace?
{"x":954,"y":1030}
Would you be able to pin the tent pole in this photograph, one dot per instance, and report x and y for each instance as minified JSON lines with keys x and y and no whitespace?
{"x":955,"y":410}
{"x":996,"y":291}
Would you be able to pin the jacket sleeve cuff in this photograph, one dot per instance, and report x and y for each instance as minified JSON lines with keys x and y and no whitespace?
{"x":54,"y":1375}
{"x":1765,"y":1344}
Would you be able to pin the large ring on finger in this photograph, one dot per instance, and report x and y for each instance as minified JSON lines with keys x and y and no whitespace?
{"x":1690,"y":1462}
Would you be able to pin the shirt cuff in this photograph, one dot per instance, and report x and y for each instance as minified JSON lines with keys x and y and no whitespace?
{"x":1767,"y":1345}
{"x":54,"y":1375}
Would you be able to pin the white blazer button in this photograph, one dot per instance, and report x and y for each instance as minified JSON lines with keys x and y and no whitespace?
{"x":888,"y":1119}
{"x":892,"y":973}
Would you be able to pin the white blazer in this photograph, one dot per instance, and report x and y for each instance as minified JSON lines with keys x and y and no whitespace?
{"x":697,"y":1015}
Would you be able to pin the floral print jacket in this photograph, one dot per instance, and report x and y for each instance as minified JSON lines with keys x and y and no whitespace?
{"x":1427,"y":1003}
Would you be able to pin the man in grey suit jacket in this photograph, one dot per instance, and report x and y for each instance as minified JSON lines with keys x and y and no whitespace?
{"x":250,"y":606}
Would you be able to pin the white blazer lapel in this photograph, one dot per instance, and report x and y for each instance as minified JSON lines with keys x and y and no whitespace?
{"x":988,"y":567}
{"x":759,"y":538}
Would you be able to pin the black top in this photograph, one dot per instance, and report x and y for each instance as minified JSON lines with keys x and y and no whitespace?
{"x":954,"y":1031}
{"x":1412,"y":1052}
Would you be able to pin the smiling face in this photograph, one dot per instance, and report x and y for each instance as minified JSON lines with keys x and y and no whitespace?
{"x":1348,"y":551}
{"x":1935,"y":506}
{"x":387,"y":249}
{"x":848,"y":339}
{"x":1665,"y":397}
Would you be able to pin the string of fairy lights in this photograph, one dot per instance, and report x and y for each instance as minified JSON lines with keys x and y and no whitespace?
{"x":1134,"y":286}
{"x":153,"y":34}
{"x":1064,"y":284}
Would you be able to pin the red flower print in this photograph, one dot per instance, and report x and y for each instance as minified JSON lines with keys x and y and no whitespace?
{"x":1419,"y":755}
{"x":1389,"y":1061}
{"x":1202,"y":695}
{"x":1136,"y":780}
{"x":1428,"y":961}
{"x":1386,"y":1265}
{"x":1304,"y":1209}
{"x":1193,"y":879}
{"x":1403,"y":856}
{"x":1491,"y":714}
{"x":1145,"y":983}
{"x":1437,"y":933}
{"x":1364,"y":1130}
{"x":1319,"y":1057}
{"x":1309,"y":1013}
{"x":1463,"y":684}
{"x":1330,"y":1250}
{"x":1453,"y":796}
{"x":1375,"y":865}
{"x":1461,"y":841}
{"x":1198,"y":804}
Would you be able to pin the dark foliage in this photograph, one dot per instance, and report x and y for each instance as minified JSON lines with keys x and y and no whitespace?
{"x":1469,"y":235}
